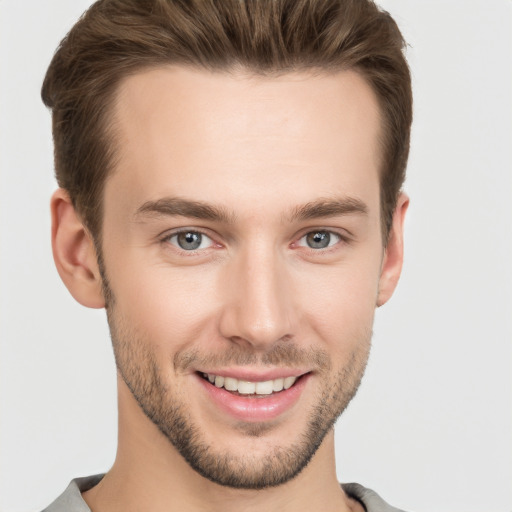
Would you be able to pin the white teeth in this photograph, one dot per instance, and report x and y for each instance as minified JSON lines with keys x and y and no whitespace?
{"x":230,"y":384}
{"x":277,"y":385}
{"x":245,"y":387}
{"x":264,"y":388}
{"x":288,"y":382}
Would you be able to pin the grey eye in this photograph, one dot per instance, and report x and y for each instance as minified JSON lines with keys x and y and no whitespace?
{"x":190,"y":240}
{"x":319,"y":239}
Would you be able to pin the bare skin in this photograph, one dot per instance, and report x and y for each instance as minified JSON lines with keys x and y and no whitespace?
{"x":256,"y":151}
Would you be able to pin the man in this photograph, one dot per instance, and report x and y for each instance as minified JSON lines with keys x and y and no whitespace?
{"x":230,"y":179}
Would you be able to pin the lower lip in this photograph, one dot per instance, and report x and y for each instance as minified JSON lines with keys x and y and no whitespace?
{"x":255,"y":408}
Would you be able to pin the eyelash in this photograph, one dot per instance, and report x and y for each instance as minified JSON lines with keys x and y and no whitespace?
{"x":342,"y":239}
{"x":166,"y":239}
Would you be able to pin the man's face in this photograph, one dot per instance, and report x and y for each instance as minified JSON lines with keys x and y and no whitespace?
{"x":242,"y":245}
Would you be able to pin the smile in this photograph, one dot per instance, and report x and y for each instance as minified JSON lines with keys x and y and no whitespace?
{"x":245,"y":387}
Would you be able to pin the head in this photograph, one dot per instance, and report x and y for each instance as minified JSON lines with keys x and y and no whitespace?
{"x":231,"y":176}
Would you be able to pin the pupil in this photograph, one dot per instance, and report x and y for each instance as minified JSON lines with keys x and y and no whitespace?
{"x":319,"y":239}
{"x":189,"y":241}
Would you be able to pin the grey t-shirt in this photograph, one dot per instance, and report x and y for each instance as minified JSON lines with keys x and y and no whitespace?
{"x":71,"y":499}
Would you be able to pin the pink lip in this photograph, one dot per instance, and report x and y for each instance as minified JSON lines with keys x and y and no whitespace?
{"x":253,"y":408}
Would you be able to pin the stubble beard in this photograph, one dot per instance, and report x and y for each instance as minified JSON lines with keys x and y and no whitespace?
{"x":140,"y":371}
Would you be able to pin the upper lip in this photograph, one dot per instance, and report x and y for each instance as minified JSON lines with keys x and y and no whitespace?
{"x":254,"y":375}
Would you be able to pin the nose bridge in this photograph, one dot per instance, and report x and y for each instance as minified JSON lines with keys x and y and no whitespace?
{"x":259,"y":310}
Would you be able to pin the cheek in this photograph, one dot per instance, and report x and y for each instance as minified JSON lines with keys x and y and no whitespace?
{"x":166,"y":305}
{"x":339,"y":303}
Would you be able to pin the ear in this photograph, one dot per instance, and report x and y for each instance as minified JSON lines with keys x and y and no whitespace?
{"x":394,"y":253}
{"x":74,"y":253}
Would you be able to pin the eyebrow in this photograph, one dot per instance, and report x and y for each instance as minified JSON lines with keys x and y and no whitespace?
{"x":329,"y":208}
{"x":175,"y":206}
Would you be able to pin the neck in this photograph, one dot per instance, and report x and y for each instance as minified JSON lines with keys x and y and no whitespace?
{"x":149,"y":474}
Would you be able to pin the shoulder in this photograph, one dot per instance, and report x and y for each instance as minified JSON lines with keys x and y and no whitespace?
{"x":71,"y":499}
{"x":371,"y":501}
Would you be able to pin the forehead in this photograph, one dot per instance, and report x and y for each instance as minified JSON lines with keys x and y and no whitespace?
{"x":190,"y":132}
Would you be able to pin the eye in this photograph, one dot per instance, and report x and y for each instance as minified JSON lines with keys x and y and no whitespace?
{"x":190,"y":240}
{"x":319,"y":239}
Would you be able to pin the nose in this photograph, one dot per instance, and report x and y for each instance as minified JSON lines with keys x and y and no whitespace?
{"x":258,"y":308}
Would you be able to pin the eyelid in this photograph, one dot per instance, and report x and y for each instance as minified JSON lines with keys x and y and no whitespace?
{"x":342,"y":235}
{"x":168,"y":235}
{"x":321,"y":231}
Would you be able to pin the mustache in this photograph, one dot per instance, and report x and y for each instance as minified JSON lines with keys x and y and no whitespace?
{"x":280,"y":355}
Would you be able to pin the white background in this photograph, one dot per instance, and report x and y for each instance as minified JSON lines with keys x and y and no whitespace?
{"x":431,"y":429}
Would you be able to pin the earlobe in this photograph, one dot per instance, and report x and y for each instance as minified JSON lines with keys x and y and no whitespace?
{"x":394,"y":253}
{"x":74,"y":253}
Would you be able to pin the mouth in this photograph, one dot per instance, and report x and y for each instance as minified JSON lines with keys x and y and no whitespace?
{"x":245,"y":396}
{"x":253,"y":389}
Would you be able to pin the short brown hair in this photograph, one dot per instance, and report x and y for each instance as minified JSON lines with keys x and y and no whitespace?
{"x":116,"y":38}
